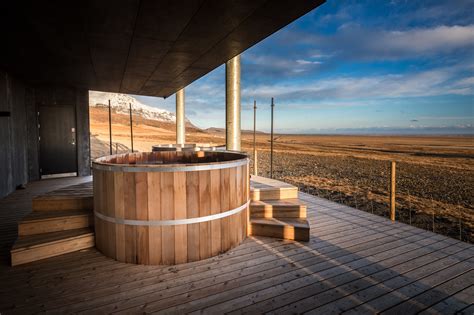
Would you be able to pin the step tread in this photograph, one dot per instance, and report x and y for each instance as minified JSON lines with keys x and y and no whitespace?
{"x":280,"y":208}
{"x":63,"y":197}
{"x":38,"y":216}
{"x":258,"y":183}
{"x":83,"y":190}
{"x":291,"y":229}
{"x":38,"y":240}
{"x":60,"y":203}
{"x":293,"y":202}
{"x":297,"y":223}
{"x":262,"y":188}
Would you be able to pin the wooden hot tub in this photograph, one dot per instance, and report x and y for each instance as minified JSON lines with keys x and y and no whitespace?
{"x":170,"y":207}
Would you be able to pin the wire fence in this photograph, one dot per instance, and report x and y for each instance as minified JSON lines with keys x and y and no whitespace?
{"x":431,"y":198}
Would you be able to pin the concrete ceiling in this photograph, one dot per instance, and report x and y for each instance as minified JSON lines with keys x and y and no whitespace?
{"x":137,"y":47}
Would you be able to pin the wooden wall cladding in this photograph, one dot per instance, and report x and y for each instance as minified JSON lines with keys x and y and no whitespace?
{"x":163,"y":196}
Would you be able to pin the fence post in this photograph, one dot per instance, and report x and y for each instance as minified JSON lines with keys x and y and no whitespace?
{"x":409,"y":206}
{"x":460,"y":224}
{"x":392,"y":190}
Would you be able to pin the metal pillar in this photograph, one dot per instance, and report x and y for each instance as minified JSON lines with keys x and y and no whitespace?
{"x":180,"y":121}
{"x":110,"y":127}
{"x":131,"y":125}
{"x":232,"y":104}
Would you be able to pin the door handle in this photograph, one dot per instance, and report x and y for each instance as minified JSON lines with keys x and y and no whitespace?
{"x":73,"y":136}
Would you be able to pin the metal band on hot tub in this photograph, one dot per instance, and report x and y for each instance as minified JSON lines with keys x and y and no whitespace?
{"x":160,"y":168}
{"x":172,"y":222}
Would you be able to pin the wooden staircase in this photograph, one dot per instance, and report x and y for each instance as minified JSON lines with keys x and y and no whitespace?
{"x":61,"y":222}
{"x":276,"y":211}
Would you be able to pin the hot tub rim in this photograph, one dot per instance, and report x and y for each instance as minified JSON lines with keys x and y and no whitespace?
{"x":175,"y":167}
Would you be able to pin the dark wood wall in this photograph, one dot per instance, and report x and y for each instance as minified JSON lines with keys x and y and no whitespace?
{"x":13,"y":134}
{"x":19,"y":151}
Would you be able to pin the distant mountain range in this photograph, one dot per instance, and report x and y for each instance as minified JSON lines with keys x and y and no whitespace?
{"x":222,"y":130}
{"x":120,"y":104}
{"x":446,"y":130}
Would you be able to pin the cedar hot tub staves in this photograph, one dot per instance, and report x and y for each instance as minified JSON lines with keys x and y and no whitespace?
{"x":170,"y":207}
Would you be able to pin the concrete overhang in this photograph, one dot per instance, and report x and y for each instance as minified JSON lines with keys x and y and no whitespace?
{"x":137,"y":47}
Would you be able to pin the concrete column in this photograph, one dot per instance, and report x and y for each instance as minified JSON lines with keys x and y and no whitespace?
{"x":180,"y":121}
{"x":232,"y":104}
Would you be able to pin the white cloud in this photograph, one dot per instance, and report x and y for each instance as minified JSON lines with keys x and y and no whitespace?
{"x":466,"y":82}
{"x":446,"y":118}
{"x":308,"y":62}
{"x":278,"y":65}
{"x":441,"y":38}
{"x":318,"y":55}
{"x":356,"y":42}
{"x":427,"y":83}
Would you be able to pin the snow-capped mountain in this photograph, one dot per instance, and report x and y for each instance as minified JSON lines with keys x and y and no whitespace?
{"x":120,"y":104}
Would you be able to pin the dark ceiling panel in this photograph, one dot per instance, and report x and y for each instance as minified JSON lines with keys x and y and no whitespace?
{"x":39,"y":50}
{"x":149,"y":47}
{"x":195,"y":40}
{"x":165,"y":20}
{"x":110,"y":26}
{"x":152,"y":88}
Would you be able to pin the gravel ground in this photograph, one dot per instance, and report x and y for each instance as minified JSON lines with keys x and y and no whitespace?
{"x":431,"y":197}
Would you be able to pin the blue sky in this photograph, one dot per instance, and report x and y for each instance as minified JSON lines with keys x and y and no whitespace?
{"x":352,"y":65}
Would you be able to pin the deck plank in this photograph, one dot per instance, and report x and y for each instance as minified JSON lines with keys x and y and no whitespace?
{"x":326,"y":278}
{"x":191,"y":280}
{"x":341,"y":297}
{"x":452,"y":304}
{"x":399,"y":289}
{"x":286,"y":268}
{"x":434,"y":295}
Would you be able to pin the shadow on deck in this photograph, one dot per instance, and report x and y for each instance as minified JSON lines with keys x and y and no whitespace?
{"x":355,"y":262}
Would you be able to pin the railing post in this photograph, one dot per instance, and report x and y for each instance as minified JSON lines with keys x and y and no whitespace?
{"x":392,"y":190}
{"x":255,"y":138}
{"x":271,"y":142}
{"x":255,"y":170}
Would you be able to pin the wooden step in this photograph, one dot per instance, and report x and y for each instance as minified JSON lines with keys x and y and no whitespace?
{"x":39,"y":222}
{"x":290,"y":229}
{"x":61,"y":203}
{"x":262,"y":188}
{"x":75,"y":197}
{"x":36,"y":247}
{"x":287,"y":208}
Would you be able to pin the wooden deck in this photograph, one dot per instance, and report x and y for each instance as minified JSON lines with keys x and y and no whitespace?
{"x":355,"y":262}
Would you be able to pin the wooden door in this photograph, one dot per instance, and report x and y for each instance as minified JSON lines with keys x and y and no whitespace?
{"x":57,"y":131}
